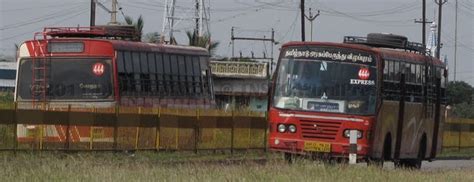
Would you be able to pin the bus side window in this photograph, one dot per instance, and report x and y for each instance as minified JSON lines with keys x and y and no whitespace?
{"x":152,"y":75}
{"x":405,"y":67}
{"x":136,"y":72}
{"x":397,"y":71}
{"x":129,"y":70}
{"x":423,"y":72}
{"x":174,"y":74}
{"x":413,"y":73}
{"x":122,"y":74}
{"x":189,"y":75}
{"x":167,"y":74}
{"x":385,"y":70}
{"x":197,"y":81}
{"x":144,"y":74}
{"x":418,"y":74}
{"x":160,"y":74}
{"x":182,"y":74}
{"x":204,"y":70}
{"x":391,"y":70}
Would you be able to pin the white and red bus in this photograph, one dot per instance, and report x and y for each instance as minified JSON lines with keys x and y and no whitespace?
{"x":386,"y":88}
{"x":103,"y":67}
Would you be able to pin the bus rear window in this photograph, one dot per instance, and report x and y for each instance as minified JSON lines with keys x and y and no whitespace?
{"x":66,"y":79}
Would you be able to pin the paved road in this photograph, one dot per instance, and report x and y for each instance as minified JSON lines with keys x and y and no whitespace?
{"x":441,"y":165}
{"x":448,"y":164}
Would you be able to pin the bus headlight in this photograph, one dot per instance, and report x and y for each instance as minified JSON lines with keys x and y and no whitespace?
{"x":347,"y":134}
{"x":281,"y":128}
{"x":292,"y":128}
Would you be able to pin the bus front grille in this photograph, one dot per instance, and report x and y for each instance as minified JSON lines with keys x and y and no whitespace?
{"x":319,"y":129}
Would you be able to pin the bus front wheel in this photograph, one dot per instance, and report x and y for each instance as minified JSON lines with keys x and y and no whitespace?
{"x":414,"y":163}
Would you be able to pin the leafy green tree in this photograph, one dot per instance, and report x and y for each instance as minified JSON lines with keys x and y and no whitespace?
{"x":463,"y":110}
{"x":459,"y":95}
{"x":202,"y":41}
{"x":137,"y":24}
{"x":459,"y":92}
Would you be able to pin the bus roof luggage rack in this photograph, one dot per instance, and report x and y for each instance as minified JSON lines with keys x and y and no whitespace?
{"x":387,"y":41}
{"x":109,"y":32}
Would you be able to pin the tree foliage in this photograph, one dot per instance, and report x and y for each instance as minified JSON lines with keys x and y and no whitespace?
{"x":139,"y":24}
{"x":152,"y":37}
{"x":463,"y":110}
{"x":202,"y":41}
{"x":459,"y":92}
{"x":459,"y":95}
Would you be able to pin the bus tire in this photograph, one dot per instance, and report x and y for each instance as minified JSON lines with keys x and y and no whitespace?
{"x":386,"y":153}
{"x":414,"y":163}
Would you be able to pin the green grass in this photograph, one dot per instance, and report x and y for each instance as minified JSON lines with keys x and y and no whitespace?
{"x":456,"y":152}
{"x":149,"y":166}
{"x":6,"y":100}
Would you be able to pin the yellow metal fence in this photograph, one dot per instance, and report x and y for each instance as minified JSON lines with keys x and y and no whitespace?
{"x":131,"y":129}
{"x":157,"y":129}
{"x":458,"y":133}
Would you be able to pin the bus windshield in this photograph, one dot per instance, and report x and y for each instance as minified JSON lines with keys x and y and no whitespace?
{"x":67,"y":79}
{"x":325,"y":86}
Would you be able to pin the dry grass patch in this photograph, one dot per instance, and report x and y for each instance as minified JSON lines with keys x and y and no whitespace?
{"x":150,"y":166}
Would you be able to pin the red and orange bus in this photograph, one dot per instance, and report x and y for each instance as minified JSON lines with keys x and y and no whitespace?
{"x":105,"y":67}
{"x":386,"y":88}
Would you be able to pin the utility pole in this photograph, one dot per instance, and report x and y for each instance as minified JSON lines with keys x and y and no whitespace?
{"x":455,"y":39}
{"x":196,"y":29}
{"x":264,"y":39}
{"x":311,"y":18}
{"x":92,"y":23}
{"x":423,"y":24}
{"x":113,"y":14}
{"x":440,"y":10}
{"x":233,"y":41}
{"x":302,"y":21}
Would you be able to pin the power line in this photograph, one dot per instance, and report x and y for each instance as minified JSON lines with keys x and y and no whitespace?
{"x":59,"y":21}
{"x":40,"y":19}
{"x":292,"y":26}
{"x":39,"y":7}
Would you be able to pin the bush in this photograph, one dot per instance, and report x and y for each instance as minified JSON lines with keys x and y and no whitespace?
{"x":6,"y":97}
{"x":463,"y":110}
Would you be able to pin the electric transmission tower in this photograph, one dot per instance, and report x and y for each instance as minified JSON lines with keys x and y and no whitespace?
{"x":171,"y":19}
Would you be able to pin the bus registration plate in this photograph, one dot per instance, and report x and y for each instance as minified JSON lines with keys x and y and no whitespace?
{"x":311,"y":146}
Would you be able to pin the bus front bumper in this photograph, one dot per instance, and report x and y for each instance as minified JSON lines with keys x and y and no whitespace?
{"x":296,"y":146}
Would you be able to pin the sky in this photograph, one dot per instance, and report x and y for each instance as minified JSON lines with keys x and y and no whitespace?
{"x":19,"y":19}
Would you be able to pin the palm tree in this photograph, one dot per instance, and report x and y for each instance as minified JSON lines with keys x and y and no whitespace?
{"x":203,"y":41}
{"x":138,"y":25}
